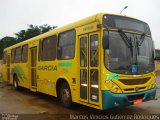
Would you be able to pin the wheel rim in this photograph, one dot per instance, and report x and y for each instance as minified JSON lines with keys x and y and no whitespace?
{"x":65,"y":95}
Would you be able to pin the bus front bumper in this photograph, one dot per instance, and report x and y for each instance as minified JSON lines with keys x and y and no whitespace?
{"x":111,"y":100}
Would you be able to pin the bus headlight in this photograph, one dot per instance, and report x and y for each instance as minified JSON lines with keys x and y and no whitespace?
{"x":113,"y":87}
{"x":115,"y":90}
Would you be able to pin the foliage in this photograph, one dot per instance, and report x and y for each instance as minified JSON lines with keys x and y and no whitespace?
{"x":32,"y":31}
{"x":6,"y":42}
{"x":23,"y":35}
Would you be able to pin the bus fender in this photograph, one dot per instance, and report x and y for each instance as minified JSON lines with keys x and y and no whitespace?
{"x":59,"y":83}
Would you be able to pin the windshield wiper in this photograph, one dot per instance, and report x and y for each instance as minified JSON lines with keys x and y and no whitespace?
{"x":142,"y":37}
{"x":126,"y":40}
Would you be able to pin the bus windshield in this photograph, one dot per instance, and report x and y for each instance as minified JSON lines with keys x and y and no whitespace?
{"x":121,"y":57}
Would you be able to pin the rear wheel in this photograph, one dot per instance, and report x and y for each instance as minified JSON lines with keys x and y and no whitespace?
{"x":15,"y":82}
{"x":65,"y":95}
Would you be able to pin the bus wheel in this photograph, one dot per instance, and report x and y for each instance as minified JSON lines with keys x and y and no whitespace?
{"x":65,"y":95}
{"x":15,"y":82}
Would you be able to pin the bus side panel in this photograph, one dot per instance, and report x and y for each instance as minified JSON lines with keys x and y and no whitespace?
{"x":22,"y":73}
{"x":68,"y":69}
{"x":46,"y":75}
{"x":4,"y":72}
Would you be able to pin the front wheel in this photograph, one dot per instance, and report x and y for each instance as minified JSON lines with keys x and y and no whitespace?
{"x":65,"y":95}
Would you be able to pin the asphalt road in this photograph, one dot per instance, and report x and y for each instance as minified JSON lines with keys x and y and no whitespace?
{"x":27,"y":105}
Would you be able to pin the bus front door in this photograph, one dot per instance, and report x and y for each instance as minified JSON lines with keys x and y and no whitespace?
{"x":89,"y":68}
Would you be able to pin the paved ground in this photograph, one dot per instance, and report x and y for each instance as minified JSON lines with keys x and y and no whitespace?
{"x":29,"y":105}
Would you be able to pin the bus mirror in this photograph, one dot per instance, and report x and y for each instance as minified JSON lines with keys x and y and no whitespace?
{"x":157,"y":54}
{"x":105,"y":41}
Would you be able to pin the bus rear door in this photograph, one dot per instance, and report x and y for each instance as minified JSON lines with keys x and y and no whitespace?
{"x":8,"y":67}
{"x":33,"y":68}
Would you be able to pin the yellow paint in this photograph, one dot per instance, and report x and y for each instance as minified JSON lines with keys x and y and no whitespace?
{"x":47,"y":79}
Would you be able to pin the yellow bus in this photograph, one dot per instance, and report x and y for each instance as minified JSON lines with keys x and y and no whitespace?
{"x":103,"y":61}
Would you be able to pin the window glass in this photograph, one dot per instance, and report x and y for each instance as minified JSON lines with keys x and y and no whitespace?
{"x":94,"y":88}
{"x":83,"y":82}
{"x":122,"y":22}
{"x":24,"y":53}
{"x":48,"y":51}
{"x":94,"y":50}
{"x":66,"y":45}
{"x":18,"y":54}
{"x":83,"y":51}
{"x":12,"y":55}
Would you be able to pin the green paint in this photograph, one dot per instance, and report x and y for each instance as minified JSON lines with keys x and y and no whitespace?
{"x":65,"y":64}
{"x":109,"y":98}
{"x":74,"y":80}
{"x":65,"y":70}
{"x":112,"y":76}
{"x":20,"y":73}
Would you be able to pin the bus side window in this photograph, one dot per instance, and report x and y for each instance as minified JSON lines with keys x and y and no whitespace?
{"x":59,"y":52}
{"x":24,"y":53}
{"x":13,"y":55}
{"x":48,"y":48}
{"x":66,"y":45}
{"x":17,"y":55}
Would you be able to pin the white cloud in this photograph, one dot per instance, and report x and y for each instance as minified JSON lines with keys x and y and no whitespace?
{"x":16,"y":14}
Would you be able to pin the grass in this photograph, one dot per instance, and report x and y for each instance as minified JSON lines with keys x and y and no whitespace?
{"x":0,"y":78}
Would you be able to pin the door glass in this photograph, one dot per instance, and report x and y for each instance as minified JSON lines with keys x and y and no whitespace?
{"x":94,"y":50}
{"x":33,"y":66}
{"x":83,"y":52}
{"x":94,"y":88}
{"x":83,"y":88}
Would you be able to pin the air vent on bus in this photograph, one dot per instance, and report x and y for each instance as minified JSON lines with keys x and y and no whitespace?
{"x":134,"y":81}
{"x":133,"y":89}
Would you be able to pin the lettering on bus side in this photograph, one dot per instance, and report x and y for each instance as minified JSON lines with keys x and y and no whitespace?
{"x":47,"y":68}
{"x":65,"y":64}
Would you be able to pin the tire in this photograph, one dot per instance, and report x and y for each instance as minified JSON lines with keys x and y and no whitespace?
{"x":15,"y":83}
{"x":65,"y":95}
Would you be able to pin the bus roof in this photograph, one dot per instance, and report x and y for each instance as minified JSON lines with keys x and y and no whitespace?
{"x":79,"y":23}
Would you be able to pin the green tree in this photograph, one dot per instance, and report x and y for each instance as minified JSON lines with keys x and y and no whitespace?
{"x":32,"y":31}
{"x":6,"y":42}
{"x":22,"y":35}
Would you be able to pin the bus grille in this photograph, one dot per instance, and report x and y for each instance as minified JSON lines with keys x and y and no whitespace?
{"x":132,"y":89}
{"x":134,"y":81}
